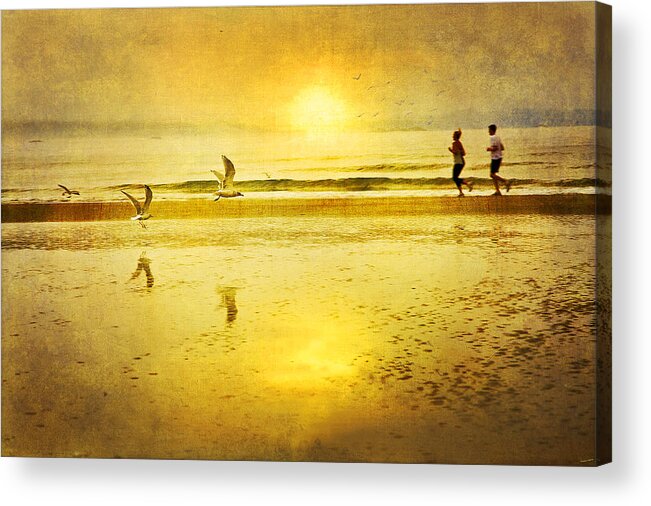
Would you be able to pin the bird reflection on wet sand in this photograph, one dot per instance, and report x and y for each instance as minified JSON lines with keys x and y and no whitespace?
{"x":305,"y":339}
{"x":143,"y":264}
{"x":228,"y":301}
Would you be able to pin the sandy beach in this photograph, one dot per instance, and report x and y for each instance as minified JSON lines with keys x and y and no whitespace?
{"x":391,"y":337}
{"x":259,"y":207}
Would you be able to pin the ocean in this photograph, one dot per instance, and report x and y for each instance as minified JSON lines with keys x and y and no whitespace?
{"x":176,"y":165}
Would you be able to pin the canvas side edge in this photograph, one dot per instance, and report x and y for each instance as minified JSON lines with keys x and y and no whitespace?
{"x":603,"y":159}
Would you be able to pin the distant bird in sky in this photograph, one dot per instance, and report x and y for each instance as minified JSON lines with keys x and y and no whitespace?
{"x":268,"y":175}
{"x":68,"y":193}
{"x":226,"y":189}
{"x":357,"y":77}
{"x":142,"y":212}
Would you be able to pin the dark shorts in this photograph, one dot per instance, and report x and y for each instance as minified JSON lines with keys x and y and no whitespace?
{"x":456,"y":172}
{"x":495,"y":165}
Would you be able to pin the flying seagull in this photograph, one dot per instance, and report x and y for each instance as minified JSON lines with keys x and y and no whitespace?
{"x":68,"y":193}
{"x":226,"y":189}
{"x":357,"y":77}
{"x":142,"y":212}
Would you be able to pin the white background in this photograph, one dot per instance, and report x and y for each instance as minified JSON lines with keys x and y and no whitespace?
{"x":626,"y":481}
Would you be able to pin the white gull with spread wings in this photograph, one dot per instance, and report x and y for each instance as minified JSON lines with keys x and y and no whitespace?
{"x":142,"y":212}
{"x":226,"y":189}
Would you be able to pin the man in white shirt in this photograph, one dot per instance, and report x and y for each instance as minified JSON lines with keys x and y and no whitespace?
{"x":496,"y":147}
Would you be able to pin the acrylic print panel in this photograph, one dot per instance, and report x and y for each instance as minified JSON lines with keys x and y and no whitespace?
{"x":324,"y":291}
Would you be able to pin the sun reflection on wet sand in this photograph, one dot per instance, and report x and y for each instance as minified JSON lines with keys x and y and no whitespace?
{"x":385,"y":339}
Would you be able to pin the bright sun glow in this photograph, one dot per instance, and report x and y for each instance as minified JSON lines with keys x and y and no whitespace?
{"x":317,"y":109}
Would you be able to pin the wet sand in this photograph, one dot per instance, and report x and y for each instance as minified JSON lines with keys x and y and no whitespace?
{"x":443,"y":339}
{"x":258,"y":207}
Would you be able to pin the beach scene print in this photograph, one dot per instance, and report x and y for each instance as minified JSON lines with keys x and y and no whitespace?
{"x":365,"y":233}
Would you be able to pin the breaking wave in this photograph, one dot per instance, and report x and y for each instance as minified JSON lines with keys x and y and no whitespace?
{"x":361,"y":184}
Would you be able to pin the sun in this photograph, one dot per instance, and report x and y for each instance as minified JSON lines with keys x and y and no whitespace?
{"x":317,"y":109}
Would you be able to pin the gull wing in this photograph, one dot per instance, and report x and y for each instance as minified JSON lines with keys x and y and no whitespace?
{"x":220,"y":178}
{"x":148,"y":196}
{"x":135,"y":203}
{"x":230,"y":172}
{"x":64,"y":188}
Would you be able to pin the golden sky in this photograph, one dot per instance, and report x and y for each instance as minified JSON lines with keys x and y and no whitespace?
{"x":348,"y":67}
